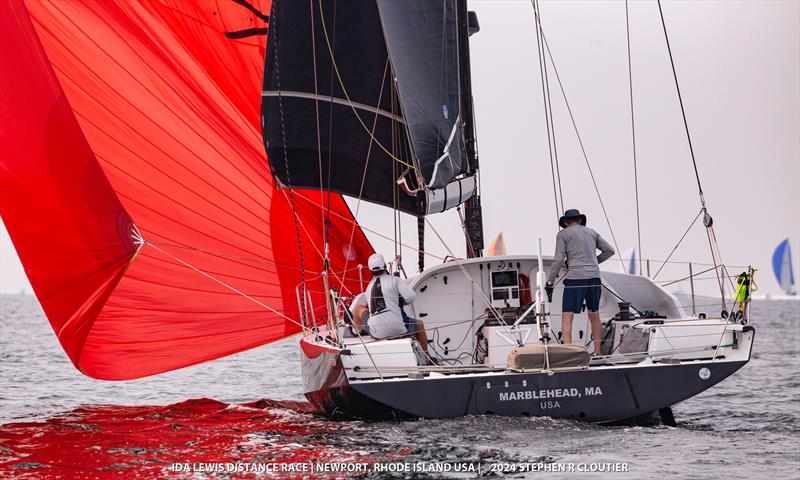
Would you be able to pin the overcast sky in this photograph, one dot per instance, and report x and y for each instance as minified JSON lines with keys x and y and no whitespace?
{"x":738,"y":63}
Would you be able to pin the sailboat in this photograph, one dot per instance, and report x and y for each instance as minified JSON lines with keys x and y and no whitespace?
{"x":784,"y":269}
{"x":164,"y":220}
{"x":630,"y":261}
{"x":393,"y":124}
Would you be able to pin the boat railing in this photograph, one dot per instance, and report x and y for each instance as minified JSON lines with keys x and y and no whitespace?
{"x":661,"y":356}
{"x":705,"y":351}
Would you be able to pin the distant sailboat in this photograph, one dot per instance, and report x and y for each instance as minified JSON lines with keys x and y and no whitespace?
{"x":782,"y":266}
{"x":498,"y":247}
{"x":630,"y":258}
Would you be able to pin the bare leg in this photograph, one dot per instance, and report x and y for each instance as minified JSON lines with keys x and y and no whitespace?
{"x":597,"y":330}
{"x":357,"y":317}
{"x":421,"y":336}
{"x":566,"y":327}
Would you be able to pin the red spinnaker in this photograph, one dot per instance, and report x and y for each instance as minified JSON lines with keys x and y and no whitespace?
{"x":145,"y":115}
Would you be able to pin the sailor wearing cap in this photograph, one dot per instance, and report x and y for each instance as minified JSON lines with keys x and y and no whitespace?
{"x":383,"y":299}
{"x":576,"y":248}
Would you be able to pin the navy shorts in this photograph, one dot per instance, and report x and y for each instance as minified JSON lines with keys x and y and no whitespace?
{"x":576,"y":292}
{"x":412,"y":324}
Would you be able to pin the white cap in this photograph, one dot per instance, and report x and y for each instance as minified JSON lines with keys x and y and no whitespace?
{"x":376,"y":262}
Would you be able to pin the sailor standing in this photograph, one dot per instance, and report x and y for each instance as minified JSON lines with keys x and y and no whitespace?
{"x":576,"y":247}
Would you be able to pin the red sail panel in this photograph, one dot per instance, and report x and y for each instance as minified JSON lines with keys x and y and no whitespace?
{"x":71,"y":232}
{"x":166,"y":94}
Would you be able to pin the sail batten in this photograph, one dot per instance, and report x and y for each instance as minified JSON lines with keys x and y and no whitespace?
{"x":339,"y":101}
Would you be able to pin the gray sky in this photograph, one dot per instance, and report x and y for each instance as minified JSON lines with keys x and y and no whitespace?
{"x":738,"y":64}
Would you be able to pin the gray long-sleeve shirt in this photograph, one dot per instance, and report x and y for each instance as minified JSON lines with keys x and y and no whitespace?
{"x":578,"y":245}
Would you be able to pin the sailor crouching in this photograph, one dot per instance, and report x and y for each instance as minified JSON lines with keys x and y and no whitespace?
{"x":576,"y":247}
{"x":385,"y":311}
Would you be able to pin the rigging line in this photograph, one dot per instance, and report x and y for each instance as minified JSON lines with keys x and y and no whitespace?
{"x":550,"y":110}
{"x":633,"y":137}
{"x":330,"y":116}
{"x":714,"y":259}
{"x":319,"y":134}
{"x":398,"y":138}
{"x":229,"y":287}
{"x":238,"y":231}
{"x":308,"y":235}
{"x":347,"y":95}
{"x":694,"y":275}
{"x":680,"y":100}
{"x":719,"y":256}
{"x":224,"y":255}
{"x":393,"y":185}
{"x":713,"y":233}
{"x":464,"y":228}
{"x":469,"y":277}
{"x":351,"y":220}
{"x":286,"y":156}
{"x":679,"y":242}
{"x":540,"y":54}
{"x":399,"y":233}
{"x":364,"y":173}
{"x":583,"y":149}
{"x":712,"y":240}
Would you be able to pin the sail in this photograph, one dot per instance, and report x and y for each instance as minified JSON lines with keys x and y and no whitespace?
{"x":782,"y":266}
{"x":331,"y":117}
{"x":423,"y":42}
{"x":343,"y":113}
{"x":135,"y":187}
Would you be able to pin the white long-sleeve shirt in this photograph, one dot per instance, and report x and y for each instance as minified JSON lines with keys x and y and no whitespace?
{"x":388,"y":322}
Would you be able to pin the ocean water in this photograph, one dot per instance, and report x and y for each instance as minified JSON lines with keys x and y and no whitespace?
{"x":56,"y":423}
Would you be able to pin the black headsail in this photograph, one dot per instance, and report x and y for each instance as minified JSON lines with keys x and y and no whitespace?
{"x":334,"y":116}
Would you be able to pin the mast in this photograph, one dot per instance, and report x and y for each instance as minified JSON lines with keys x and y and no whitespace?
{"x":473,"y":214}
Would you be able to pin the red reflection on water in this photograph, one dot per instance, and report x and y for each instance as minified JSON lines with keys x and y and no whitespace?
{"x":144,"y":441}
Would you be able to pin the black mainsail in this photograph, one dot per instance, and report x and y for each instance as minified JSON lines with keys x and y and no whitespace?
{"x":368,"y":99}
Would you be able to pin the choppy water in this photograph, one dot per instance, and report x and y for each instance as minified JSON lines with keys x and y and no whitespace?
{"x":57,"y":423}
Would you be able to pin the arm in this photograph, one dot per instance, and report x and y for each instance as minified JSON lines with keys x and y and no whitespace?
{"x":558,"y":259}
{"x":405,"y":291}
{"x":606,"y":250}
